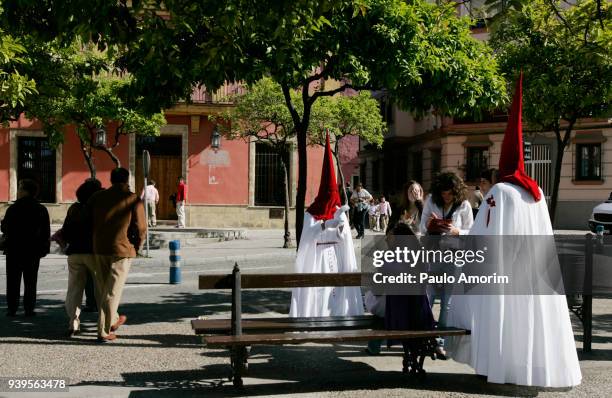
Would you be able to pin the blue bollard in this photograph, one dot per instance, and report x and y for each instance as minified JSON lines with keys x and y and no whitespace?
{"x":175,"y":261}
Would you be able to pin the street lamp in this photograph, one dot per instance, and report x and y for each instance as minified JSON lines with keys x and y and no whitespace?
{"x":215,"y":139}
{"x":100,"y":137}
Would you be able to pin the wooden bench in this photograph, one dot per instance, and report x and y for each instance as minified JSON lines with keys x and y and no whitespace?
{"x":238,"y":334}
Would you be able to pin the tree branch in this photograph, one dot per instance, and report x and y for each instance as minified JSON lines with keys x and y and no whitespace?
{"x":110,"y":153}
{"x":287,"y":94}
{"x":118,"y":133}
{"x":558,"y":13}
{"x":340,"y":89}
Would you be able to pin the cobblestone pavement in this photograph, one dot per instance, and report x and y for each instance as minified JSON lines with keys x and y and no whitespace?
{"x":157,"y":355}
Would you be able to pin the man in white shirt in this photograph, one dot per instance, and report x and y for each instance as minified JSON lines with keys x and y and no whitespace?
{"x":361,"y":200}
{"x":151,"y":197}
{"x":385,"y":213}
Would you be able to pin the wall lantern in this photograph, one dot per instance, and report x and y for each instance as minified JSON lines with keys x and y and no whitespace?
{"x":215,"y":140}
{"x":100,"y":137}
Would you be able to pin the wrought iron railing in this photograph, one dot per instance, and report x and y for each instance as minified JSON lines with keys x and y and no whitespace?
{"x":201,"y":95}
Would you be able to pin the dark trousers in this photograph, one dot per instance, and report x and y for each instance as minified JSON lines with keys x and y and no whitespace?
{"x":359,"y":221}
{"x":18,"y":266}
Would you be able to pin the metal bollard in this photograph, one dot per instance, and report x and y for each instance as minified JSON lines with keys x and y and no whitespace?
{"x":175,"y":261}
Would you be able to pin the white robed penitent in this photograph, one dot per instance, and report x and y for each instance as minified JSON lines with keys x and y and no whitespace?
{"x":327,"y":250}
{"x":519,"y":339}
{"x":326,"y":246}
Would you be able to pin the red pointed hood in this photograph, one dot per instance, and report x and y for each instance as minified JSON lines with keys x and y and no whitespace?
{"x":328,"y":198}
{"x":511,"y":161}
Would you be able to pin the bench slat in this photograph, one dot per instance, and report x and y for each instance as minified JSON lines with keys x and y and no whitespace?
{"x":212,"y":326}
{"x":326,"y":337}
{"x":266,"y":281}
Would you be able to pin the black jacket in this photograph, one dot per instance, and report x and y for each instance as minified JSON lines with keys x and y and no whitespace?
{"x":77,"y":230}
{"x":27,"y":228}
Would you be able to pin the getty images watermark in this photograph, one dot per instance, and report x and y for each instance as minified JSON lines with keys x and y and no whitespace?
{"x":412,"y":258}
{"x":482,"y":265}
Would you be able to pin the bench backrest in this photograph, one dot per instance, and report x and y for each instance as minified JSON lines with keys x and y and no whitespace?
{"x":266,"y":281}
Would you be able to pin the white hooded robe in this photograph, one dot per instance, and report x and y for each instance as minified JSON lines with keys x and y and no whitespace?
{"x":518,"y":339}
{"x":326,"y":251}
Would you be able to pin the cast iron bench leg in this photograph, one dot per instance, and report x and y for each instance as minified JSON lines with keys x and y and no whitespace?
{"x":239,"y":361}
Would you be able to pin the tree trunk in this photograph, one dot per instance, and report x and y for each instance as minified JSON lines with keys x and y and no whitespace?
{"x":561,"y":144}
{"x":300,"y":198}
{"x":343,"y":197}
{"x":88,"y":159}
{"x":110,"y":153}
{"x":287,"y":235}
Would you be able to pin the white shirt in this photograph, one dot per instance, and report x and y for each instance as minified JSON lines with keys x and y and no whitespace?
{"x":462,"y":218}
{"x":361,"y":196}
{"x":151,"y":192}
{"x":385,"y":209}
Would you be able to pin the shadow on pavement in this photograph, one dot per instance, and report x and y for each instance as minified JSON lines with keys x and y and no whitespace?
{"x":346,"y":377}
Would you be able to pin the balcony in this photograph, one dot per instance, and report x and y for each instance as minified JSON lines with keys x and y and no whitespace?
{"x":201,"y":95}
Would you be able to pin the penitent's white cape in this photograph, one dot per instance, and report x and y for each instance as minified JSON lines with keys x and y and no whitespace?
{"x":527,"y":339}
{"x":325,"y":251}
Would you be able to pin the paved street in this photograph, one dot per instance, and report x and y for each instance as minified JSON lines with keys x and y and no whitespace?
{"x":158,"y":356}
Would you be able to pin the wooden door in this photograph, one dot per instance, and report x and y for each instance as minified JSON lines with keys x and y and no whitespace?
{"x":165,"y":171}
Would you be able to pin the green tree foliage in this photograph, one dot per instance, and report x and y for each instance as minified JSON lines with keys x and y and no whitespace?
{"x":566,"y":56}
{"x":260,"y":115}
{"x":422,"y":53}
{"x":344,"y":115}
{"x":15,"y":86}
{"x":79,"y":85}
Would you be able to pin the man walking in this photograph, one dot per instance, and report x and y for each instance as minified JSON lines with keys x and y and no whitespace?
{"x":26,"y":229}
{"x":150,"y":196}
{"x":181,"y":198}
{"x":118,"y":231}
{"x":361,"y":200}
{"x":384,"y":208}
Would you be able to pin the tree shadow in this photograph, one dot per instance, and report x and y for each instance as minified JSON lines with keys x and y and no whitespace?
{"x":285,"y":370}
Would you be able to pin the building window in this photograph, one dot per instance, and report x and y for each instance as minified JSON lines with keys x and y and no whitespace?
{"x":269,"y":176}
{"x":436,"y":162}
{"x":363,"y":173}
{"x":36,"y":161}
{"x":386,"y":110}
{"x":588,"y":161}
{"x":476,"y":162}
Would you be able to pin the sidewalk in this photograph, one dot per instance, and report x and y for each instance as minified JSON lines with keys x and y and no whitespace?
{"x":157,"y":354}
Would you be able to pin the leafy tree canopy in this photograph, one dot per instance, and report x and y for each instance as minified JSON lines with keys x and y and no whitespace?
{"x":566,"y":56}
{"x":15,"y":86}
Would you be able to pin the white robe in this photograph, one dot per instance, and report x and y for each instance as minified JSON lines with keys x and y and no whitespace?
{"x":317,"y":254}
{"x":519,"y":339}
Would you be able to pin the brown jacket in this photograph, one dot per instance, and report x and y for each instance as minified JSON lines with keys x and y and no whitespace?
{"x":119,"y":224}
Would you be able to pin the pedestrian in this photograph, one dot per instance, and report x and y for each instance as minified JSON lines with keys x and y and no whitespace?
{"x":447,"y":212}
{"x":488,"y":178}
{"x":150,"y":196}
{"x":119,"y":228}
{"x":408,"y":312}
{"x":410,"y":208}
{"x":361,"y":200}
{"x":77,"y":232}
{"x":373,"y":211}
{"x":27,"y":232}
{"x":476,"y":199}
{"x":384,"y":209}
{"x":181,"y":199}
{"x":326,"y":246}
{"x":542,"y":350}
